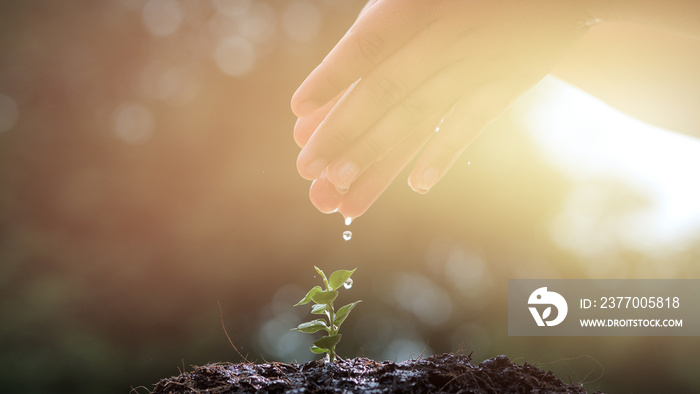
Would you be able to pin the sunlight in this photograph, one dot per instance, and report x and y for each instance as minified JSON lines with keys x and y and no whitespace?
{"x":594,"y":143}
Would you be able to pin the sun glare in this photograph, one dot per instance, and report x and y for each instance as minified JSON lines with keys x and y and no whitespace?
{"x":592,"y":142}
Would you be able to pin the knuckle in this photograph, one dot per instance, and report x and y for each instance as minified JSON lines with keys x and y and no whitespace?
{"x":339,"y":138}
{"x":372,"y":148}
{"x":333,"y":79}
{"x":370,"y":48}
{"x":383,"y":91}
{"x":413,"y":110}
{"x":380,"y":175}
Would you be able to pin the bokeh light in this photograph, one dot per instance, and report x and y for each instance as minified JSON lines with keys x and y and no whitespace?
{"x":9,"y":112}
{"x":133,"y":123}
{"x":432,"y":306}
{"x":147,"y":172}
{"x":162,"y":17}
{"x":301,"y":21}
{"x":607,"y":152}
{"x":235,"y":56}
{"x":232,"y":7}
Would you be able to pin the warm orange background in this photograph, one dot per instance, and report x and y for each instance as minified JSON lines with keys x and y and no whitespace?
{"x":149,"y":174}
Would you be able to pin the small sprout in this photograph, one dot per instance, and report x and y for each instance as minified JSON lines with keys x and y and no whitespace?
{"x":323,"y":305}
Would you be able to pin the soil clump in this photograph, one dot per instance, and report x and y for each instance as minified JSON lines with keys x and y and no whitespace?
{"x":444,"y":373}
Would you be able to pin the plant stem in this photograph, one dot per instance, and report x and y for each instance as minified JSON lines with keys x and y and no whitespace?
{"x":334,"y":331}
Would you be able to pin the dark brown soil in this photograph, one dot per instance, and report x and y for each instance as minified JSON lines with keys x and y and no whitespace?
{"x":445,"y":373}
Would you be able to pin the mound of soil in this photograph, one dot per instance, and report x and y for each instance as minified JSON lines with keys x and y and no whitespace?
{"x":445,"y":373}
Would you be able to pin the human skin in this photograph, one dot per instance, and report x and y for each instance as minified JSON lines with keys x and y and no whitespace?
{"x":407,"y":66}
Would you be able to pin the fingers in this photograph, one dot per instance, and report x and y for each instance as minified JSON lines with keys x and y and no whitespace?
{"x":460,"y":128}
{"x":324,"y":196}
{"x":310,"y":165}
{"x":404,"y":63}
{"x":372,"y":183}
{"x":367,"y":6}
{"x":389,"y":88}
{"x":305,"y":127}
{"x":385,"y":27}
{"x":429,"y":101}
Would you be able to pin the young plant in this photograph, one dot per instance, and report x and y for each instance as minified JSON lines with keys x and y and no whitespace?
{"x":323,"y":305}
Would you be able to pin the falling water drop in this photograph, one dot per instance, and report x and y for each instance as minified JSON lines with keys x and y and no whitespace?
{"x":347,"y":234}
{"x":348,"y":283}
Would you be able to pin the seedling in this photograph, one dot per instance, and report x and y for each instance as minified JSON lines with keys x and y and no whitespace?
{"x":323,"y":305}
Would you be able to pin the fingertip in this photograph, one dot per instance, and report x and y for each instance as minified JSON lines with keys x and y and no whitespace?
{"x":342,"y":174}
{"x":295,"y":101}
{"x":363,"y":193}
{"x":422,"y":181}
{"x":302,"y":131}
{"x":323,"y":195}
{"x":305,"y":126}
{"x":301,"y":104}
{"x":349,"y":211}
{"x":418,"y":189}
{"x":305,"y":108}
{"x":310,"y":169}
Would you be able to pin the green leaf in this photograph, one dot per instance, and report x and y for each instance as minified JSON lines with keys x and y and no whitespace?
{"x":338,"y":278}
{"x":320,"y":272}
{"x":318,"y":350}
{"x":319,"y":309}
{"x":328,"y":342}
{"x":307,"y":298}
{"x":324,"y":297}
{"x":312,"y":327}
{"x":343,"y":313}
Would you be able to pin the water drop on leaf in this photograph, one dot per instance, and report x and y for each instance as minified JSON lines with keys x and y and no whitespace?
{"x":348,"y":283}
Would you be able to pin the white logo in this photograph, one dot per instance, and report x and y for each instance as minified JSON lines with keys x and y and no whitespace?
{"x":543,"y":297}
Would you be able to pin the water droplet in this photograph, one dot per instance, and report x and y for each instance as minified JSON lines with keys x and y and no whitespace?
{"x":347,"y":235}
{"x":348,"y":220}
{"x":348,"y":283}
{"x":469,"y":163}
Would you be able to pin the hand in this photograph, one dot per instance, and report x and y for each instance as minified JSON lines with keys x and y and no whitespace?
{"x":370,"y":184}
{"x":377,"y":98}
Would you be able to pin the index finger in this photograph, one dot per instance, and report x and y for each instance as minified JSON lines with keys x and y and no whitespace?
{"x":376,"y":34}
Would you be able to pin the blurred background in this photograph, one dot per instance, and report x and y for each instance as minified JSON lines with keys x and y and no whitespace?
{"x":147,"y":173}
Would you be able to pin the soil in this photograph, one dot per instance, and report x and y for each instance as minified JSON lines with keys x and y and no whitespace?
{"x":444,"y":373}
